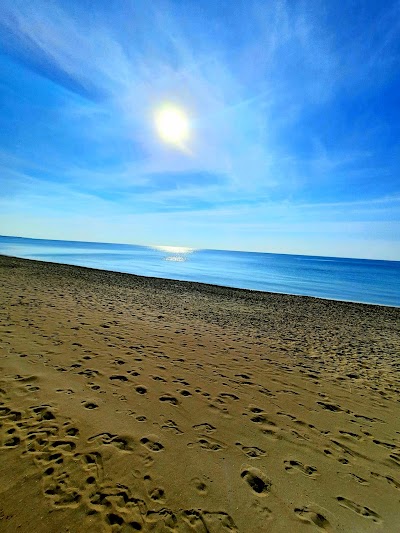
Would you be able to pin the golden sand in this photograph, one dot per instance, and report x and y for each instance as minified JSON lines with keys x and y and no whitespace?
{"x":130,"y":403}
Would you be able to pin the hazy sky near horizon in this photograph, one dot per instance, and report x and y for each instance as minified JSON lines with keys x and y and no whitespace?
{"x":293,"y":109}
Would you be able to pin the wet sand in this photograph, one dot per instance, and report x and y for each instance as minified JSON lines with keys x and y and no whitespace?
{"x":130,"y":403}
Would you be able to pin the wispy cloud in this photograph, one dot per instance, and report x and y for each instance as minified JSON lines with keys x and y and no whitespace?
{"x":230,"y":105}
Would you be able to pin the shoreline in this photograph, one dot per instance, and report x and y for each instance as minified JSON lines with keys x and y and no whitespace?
{"x":130,"y":403}
{"x":201,"y":284}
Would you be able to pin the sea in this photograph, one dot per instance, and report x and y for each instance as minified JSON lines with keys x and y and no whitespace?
{"x":356,"y":280}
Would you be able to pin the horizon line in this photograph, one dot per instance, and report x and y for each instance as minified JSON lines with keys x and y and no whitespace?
{"x":195,"y":249}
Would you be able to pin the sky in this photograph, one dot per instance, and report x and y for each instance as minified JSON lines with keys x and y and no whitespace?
{"x":293,"y":110}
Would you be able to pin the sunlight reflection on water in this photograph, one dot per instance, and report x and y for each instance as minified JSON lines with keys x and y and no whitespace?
{"x":175,"y":253}
{"x":175,"y":258}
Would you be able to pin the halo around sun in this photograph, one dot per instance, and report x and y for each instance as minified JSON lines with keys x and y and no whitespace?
{"x":172,"y":124}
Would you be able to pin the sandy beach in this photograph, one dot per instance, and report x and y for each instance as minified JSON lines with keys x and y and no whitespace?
{"x":142,"y":404}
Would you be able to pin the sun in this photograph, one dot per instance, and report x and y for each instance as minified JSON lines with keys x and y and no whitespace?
{"x":172,"y":124}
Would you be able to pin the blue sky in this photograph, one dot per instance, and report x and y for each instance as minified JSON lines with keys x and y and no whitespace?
{"x":294,"y":112}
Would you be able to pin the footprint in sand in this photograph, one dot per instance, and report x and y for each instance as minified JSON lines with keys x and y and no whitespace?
{"x":173,"y":426}
{"x":267,"y":426}
{"x":312,"y":517}
{"x":62,"y":445}
{"x":251,"y":451}
{"x":90,"y":405}
{"x":359,"y":509}
{"x":200,"y":486}
{"x":388,"y":445}
{"x":207,"y":521}
{"x":349,"y":435}
{"x":208,"y":444}
{"x":264,"y":511}
{"x":229,"y":396}
{"x":62,"y":497}
{"x":356,"y":478}
{"x":118,"y":378}
{"x":152,"y":443}
{"x":65,"y":391}
{"x":10,"y":414}
{"x":388,"y":479}
{"x":257,"y":480}
{"x":133,"y":373}
{"x":208,"y":428}
{"x":292,"y":465}
{"x":155,"y":493}
{"x":159,"y":378}
{"x":218,"y":521}
{"x":92,"y":464}
{"x":169,"y":399}
{"x":330,"y":407}
{"x":43,"y":412}
{"x":185,"y":392}
{"x":10,"y":441}
{"x":124,"y":443}
{"x":262,"y":419}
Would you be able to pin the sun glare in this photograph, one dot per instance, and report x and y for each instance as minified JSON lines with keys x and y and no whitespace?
{"x":172,"y":124}
{"x":175,"y":253}
{"x":174,"y":249}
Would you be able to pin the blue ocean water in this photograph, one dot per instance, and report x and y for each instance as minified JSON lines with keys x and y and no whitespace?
{"x":357,"y":280}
